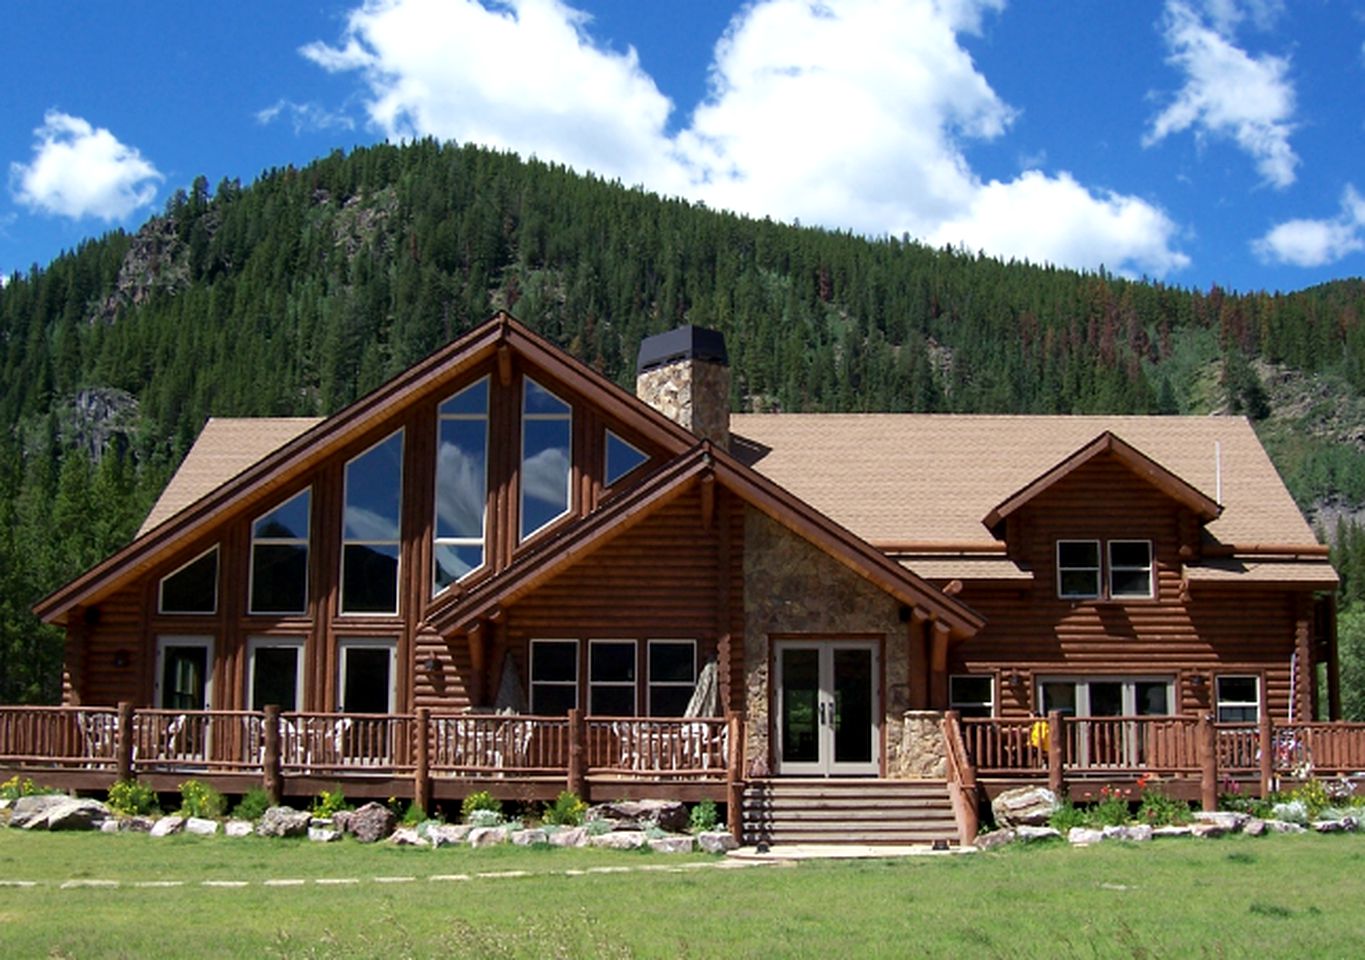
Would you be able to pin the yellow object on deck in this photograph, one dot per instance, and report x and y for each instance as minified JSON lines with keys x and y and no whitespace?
{"x":1038,"y":734}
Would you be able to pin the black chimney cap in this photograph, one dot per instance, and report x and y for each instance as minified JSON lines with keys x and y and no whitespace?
{"x":682,"y":343}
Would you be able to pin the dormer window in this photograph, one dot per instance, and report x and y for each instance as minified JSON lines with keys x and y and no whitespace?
{"x":546,"y":431}
{"x":1130,"y":569}
{"x":621,"y":458}
{"x":461,"y":485}
{"x":1078,"y":569}
{"x":1123,"y":571}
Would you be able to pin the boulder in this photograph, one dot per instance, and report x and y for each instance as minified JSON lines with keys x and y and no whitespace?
{"x":1026,"y":832}
{"x":371,"y":823}
{"x":1284,"y":826}
{"x":1230,"y":820}
{"x":110,"y":826}
{"x":167,"y":826}
{"x":70,"y":814}
{"x":239,"y":828}
{"x":527,"y":838}
{"x":407,"y":837}
{"x":340,"y":819}
{"x":1208,"y":829}
{"x":488,"y":836}
{"x":668,"y":815}
{"x":323,"y":834}
{"x":1343,"y":825}
{"x":1027,"y":806}
{"x":26,"y":810}
{"x":620,"y":840}
{"x":136,"y":824}
{"x":448,"y":834}
{"x":1255,"y":827}
{"x":569,"y":837}
{"x":201,"y":827}
{"x":716,"y":841}
{"x":1083,"y":836}
{"x":1172,"y":830}
{"x":681,"y":843}
{"x":283,"y":822}
{"x":996,"y":838}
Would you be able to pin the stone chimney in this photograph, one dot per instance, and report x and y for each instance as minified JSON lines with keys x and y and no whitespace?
{"x":685,"y":375}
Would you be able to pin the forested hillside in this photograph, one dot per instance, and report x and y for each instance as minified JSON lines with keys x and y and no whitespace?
{"x":302,"y":291}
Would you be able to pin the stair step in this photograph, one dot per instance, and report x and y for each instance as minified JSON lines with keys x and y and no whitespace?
{"x":848,"y":811}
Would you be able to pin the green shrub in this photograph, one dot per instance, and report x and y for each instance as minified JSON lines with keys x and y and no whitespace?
{"x":413,"y":815}
{"x":132,"y":799}
{"x":566,"y":811}
{"x":16,"y":787}
{"x":1159,"y":809}
{"x":479,"y":800}
{"x":201,"y":800}
{"x":702,"y":817}
{"x":1068,"y":815}
{"x":253,"y":805}
{"x":1112,"y":808}
{"x":1313,"y":795}
{"x":328,"y":802}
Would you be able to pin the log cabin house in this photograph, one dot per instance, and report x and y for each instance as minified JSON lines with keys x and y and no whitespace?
{"x":501,"y":571}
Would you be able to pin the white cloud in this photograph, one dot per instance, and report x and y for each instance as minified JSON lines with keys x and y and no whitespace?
{"x":1315,"y":243}
{"x":305,"y":117}
{"x":1228,"y":93}
{"x":79,"y":170}
{"x":1227,"y":15}
{"x":853,"y":114}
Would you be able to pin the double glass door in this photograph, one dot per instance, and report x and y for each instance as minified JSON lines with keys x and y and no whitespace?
{"x":827,"y":708}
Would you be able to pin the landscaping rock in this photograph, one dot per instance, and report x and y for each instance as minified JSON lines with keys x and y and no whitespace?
{"x":27,"y":809}
{"x":669,"y":815}
{"x":620,"y":840}
{"x":1025,"y":806}
{"x":167,"y":826}
{"x":1138,"y":833}
{"x":1029,"y":833}
{"x":136,"y":824}
{"x":1172,"y":830}
{"x":1344,"y":825}
{"x":526,"y":838}
{"x":1284,"y":826}
{"x":1231,"y":821}
{"x":569,"y":837}
{"x":488,"y":836}
{"x":996,"y":838}
{"x":323,"y":823}
{"x":70,"y":814}
{"x":681,"y":843}
{"x":341,"y":819}
{"x":110,"y":826}
{"x":201,"y":827}
{"x":448,"y":834}
{"x":1083,"y":836}
{"x":407,"y":837}
{"x":1255,"y":827}
{"x":1208,"y":830}
{"x":716,"y":841}
{"x":283,"y":822}
{"x":239,"y":828}
{"x":371,"y":823}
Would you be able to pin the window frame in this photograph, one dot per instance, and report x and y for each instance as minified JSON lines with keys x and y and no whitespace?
{"x":1098,"y":569}
{"x":633,"y":683}
{"x":254,"y":644}
{"x":1149,"y":569}
{"x":1081,"y":682}
{"x":651,"y":683}
{"x":957,"y":703}
{"x":345,"y":644}
{"x":482,"y":540}
{"x":281,"y":541}
{"x":161,"y":586}
{"x":164,"y":640}
{"x":1219,"y":702}
{"x":397,"y":543}
{"x":524,"y":535}
{"x":532,"y":682}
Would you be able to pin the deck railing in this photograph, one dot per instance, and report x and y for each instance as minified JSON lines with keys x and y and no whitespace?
{"x":658,"y":746}
{"x":61,"y":736}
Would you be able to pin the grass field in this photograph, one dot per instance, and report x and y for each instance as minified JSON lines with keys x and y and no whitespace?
{"x":1296,"y":897}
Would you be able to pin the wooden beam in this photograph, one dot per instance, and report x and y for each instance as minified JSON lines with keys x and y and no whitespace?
{"x":477,"y":639}
{"x":708,"y":501}
{"x":504,"y":365}
{"x":938,"y":665}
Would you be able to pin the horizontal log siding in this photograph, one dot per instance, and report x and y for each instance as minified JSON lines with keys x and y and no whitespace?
{"x":120,"y":627}
{"x":1029,"y":629}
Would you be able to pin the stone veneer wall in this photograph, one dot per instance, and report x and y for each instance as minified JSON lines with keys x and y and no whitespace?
{"x":793,"y":588}
{"x":693,"y":393}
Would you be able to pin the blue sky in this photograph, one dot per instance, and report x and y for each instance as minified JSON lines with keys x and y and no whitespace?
{"x":1191,"y":141}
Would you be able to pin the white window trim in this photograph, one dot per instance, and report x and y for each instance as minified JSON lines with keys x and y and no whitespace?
{"x":482,"y":540}
{"x":633,"y":685}
{"x":1149,"y":569}
{"x":398,"y":543}
{"x":281,"y":541}
{"x":367,"y":643}
{"x":1219,"y":702}
{"x":255,"y":643}
{"x":532,"y":682}
{"x":1098,"y":569}
{"x":607,"y":479}
{"x":182,"y":640}
{"x":567,"y":417}
{"x":161,"y":588}
{"x":1129,"y":681}
{"x":651,"y":683}
{"x":954,"y":704}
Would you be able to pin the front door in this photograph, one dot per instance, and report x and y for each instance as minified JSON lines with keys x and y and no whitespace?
{"x":827,"y":708}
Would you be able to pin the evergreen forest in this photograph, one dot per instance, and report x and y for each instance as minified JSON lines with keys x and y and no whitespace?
{"x":300,"y":292}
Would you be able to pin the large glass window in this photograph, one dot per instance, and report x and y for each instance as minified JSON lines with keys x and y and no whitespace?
{"x":367,"y":676}
{"x":554,"y":677}
{"x":611,"y":678}
{"x":972,"y":695}
{"x":1130,"y":568}
{"x":279,"y":558}
{"x":546,"y":428}
{"x":622,"y":458}
{"x":276,"y":672}
{"x":1238,"y":699}
{"x":1107,"y":696}
{"x":370,"y":529}
{"x":1078,"y":569}
{"x":461,"y":484}
{"x":672,"y":676}
{"x":192,"y":588}
{"x":184,"y":676}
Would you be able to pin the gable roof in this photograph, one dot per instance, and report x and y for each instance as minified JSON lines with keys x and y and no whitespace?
{"x":1107,"y":443}
{"x":281,"y":466}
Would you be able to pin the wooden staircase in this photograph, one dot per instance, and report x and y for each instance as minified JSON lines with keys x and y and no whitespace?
{"x":787,"y":811}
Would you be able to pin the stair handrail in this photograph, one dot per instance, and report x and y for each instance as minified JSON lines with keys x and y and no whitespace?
{"x":960,"y":775}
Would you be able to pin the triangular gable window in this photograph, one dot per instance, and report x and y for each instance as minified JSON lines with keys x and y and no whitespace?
{"x":622,"y":458}
{"x":194,"y":587}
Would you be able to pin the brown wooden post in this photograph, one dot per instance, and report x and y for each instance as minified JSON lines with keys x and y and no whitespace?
{"x":734,"y":776}
{"x":1208,"y":762}
{"x":421,"y":773}
{"x":271,"y":780}
{"x":1266,"y":736}
{"x":123,"y":743}
{"x":577,"y":781}
{"x":1055,"y":779}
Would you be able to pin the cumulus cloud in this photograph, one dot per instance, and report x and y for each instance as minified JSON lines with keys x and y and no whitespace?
{"x":305,"y":117}
{"x":79,"y":170}
{"x":1316,"y":243}
{"x":853,"y":114}
{"x":1228,"y":93}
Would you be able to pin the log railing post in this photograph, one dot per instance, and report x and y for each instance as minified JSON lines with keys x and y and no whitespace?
{"x":1055,"y":778}
{"x":1266,"y":738}
{"x":577,"y":780}
{"x":734,"y":776}
{"x":1208,"y":762}
{"x":421,"y":773}
{"x":123,"y":741}
{"x":271,"y":780}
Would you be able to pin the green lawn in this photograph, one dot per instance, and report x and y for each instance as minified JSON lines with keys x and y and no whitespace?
{"x":1296,"y":897}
